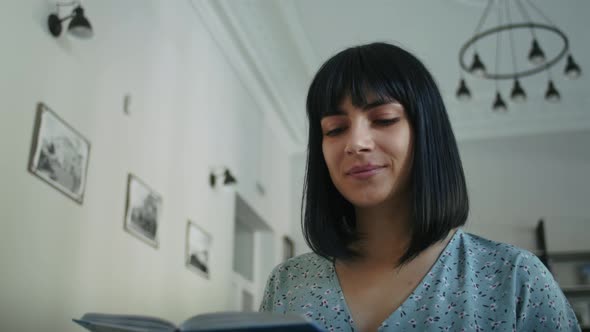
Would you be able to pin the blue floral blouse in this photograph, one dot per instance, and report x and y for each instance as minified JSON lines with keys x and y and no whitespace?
{"x":475,"y":285}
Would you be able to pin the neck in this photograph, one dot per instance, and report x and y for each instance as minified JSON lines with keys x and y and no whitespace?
{"x":385,"y":232}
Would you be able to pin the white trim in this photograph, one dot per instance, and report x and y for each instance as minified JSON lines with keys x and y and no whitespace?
{"x":292,"y":19}
{"x":225,"y":30}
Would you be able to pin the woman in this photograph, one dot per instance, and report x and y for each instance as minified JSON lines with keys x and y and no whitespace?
{"x":384,"y":198}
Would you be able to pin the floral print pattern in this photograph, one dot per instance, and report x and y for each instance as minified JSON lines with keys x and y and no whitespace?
{"x":475,"y":285}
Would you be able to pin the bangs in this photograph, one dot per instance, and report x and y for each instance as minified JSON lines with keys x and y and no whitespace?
{"x":359,"y":74}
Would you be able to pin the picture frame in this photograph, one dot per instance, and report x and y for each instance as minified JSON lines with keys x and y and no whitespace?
{"x":288,"y":248}
{"x":59,"y":154}
{"x":197,"y":249}
{"x":142,"y":211}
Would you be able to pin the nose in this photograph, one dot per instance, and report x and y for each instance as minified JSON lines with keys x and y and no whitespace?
{"x":360,"y":139}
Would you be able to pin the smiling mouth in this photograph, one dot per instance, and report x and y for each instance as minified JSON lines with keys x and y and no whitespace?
{"x":364,"y":172}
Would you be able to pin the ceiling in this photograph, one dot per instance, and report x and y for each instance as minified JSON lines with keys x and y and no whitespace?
{"x":276,"y":47}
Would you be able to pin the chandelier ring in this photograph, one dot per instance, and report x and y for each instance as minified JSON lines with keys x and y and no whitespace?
{"x":519,"y":74}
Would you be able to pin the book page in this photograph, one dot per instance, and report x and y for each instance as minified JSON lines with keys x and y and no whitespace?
{"x":115,"y":323}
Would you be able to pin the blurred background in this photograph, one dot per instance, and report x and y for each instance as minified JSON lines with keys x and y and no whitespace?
{"x":203,"y":103}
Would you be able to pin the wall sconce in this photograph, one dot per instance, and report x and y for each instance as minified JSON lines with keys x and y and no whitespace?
{"x":79,"y":25}
{"x":228,"y":178}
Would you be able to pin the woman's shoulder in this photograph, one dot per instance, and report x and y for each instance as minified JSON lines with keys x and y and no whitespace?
{"x":483,"y":247}
{"x":484,"y":252}
{"x":303,"y":264}
{"x":295,"y":283}
{"x":538,"y":301}
{"x":301,"y":270}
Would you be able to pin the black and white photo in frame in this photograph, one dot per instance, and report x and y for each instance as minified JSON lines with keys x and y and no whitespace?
{"x":198,"y":246}
{"x":59,"y":154}
{"x":142,"y":212}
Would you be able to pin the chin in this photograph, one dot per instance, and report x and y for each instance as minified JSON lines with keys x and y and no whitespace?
{"x":366,"y":200}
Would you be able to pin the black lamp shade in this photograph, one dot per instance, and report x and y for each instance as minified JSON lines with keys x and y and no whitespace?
{"x":477,"y":67}
{"x":79,"y":25}
{"x":572,"y":70}
{"x":499,"y":104}
{"x":229,"y":178}
{"x":552,"y":94}
{"x":536,"y":54}
{"x":463,"y":92}
{"x":517,"y":95}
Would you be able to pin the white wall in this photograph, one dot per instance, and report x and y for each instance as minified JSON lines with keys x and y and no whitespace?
{"x":513,"y":182}
{"x":189,"y":112}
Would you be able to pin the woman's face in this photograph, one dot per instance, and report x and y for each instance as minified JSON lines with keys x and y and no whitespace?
{"x":368,"y":151}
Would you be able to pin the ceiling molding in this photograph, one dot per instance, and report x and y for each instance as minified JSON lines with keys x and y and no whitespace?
{"x":275,"y":47}
{"x":306,"y":52}
{"x":234,"y":42}
{"x":475,"y":3}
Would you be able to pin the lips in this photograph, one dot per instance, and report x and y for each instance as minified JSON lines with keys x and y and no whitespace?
{"x":364,"y":171}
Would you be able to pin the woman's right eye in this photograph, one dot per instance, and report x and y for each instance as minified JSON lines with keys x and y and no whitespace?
{"x":334,"y":132}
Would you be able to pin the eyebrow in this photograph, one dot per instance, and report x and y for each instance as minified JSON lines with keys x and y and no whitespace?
{"x":377,"y":103}
{"x":364,"y":108}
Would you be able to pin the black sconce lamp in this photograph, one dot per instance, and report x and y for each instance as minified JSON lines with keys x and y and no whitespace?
{"x":228,"y":178}
{"x":79,"y":25}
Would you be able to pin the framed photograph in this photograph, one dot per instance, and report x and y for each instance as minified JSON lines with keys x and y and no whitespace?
{"x":288,"y":248}
{"x":198,"y":246}
{"x":142,"y":211}
{"x":59,"y":154}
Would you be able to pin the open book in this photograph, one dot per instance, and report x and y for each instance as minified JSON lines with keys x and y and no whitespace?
{"x":211,"y":322}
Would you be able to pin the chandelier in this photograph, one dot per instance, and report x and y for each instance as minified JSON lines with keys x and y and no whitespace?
{"x":531,"y":62}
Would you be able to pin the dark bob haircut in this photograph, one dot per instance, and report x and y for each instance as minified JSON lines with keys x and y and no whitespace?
{"x":438,"y":191}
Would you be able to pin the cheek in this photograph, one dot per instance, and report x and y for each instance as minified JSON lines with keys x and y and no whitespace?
{"x":404,"y":152}
{"x":402,"y":149}
{"x":326,"y":154}
{"x":402,"y":145}
{"x":330,"y":157}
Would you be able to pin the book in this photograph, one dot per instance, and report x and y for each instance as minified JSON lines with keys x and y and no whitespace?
{"x":209,"y":322}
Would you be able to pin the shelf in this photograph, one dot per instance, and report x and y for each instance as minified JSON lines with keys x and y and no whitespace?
{"x":569,"y":255}
{"x":576,"y":290}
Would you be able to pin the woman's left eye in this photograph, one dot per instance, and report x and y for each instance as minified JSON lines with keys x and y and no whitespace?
{"x":386,"y":122}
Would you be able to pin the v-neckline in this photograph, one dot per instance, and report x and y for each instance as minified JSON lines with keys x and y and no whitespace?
{"x":436,"y":266}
